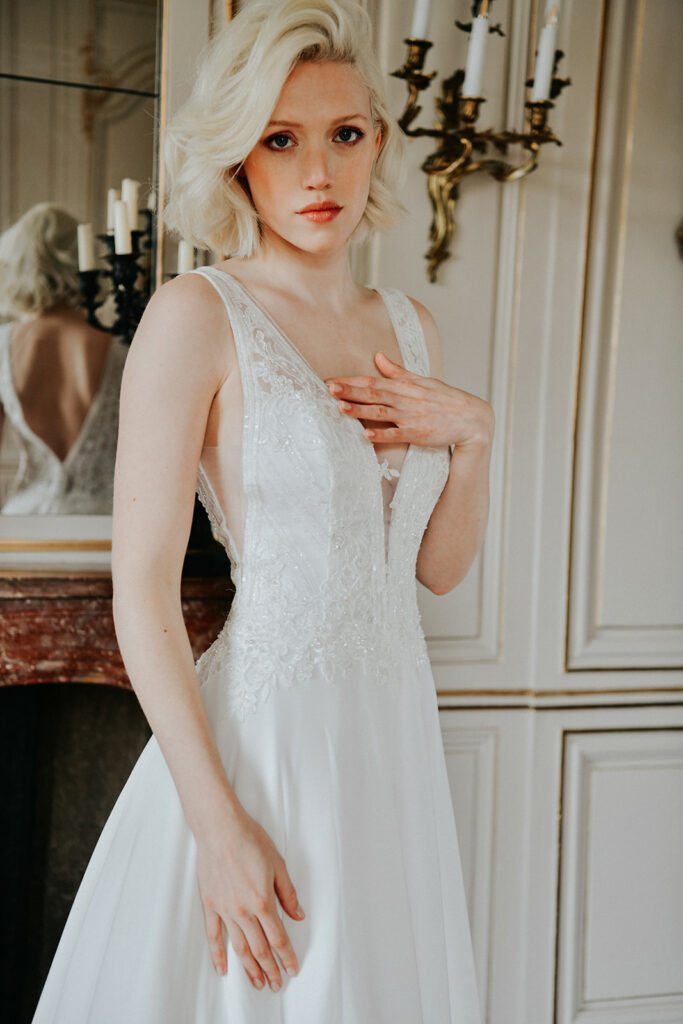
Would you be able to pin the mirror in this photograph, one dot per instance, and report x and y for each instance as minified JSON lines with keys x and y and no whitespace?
{"x":80,"y":94}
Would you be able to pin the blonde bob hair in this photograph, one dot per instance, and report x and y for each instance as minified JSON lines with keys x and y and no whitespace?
{"x":241,"y":72}
{"x":39,"y":261}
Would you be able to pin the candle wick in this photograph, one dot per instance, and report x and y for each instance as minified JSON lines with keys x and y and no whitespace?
{"x":552,"y":16}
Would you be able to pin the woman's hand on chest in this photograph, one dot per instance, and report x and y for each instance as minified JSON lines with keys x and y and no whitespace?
{"x":407,"y":407}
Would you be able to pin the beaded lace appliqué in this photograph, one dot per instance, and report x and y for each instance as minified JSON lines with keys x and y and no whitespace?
{"x":316,"y":594}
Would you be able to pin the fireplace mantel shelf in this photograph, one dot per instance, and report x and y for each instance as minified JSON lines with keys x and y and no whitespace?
{"x":60,"y":628}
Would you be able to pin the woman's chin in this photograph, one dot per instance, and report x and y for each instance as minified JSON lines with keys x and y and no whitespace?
{"x":320,"y":245}
{"x":316,"y":239}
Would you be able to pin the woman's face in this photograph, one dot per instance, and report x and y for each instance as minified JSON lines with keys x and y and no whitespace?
{"x":318,"y":147}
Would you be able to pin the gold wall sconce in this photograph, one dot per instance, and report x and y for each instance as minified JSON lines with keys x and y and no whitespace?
{"x":458,"y":138}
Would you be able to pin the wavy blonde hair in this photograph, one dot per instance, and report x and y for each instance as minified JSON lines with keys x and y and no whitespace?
{"x":39,"y":261}
{"x":241,"y":72}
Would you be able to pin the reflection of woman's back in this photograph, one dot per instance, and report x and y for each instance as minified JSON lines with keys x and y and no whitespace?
{"x":59,"y":387}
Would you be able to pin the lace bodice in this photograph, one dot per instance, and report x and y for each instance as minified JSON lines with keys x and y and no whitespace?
{"x":82,"y":482}
{"x":322,"y":536}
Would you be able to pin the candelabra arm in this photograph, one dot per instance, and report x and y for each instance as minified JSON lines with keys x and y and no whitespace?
{"x":502,"y":171}
{"x":416,"y":80}
{"x":459,"y":137}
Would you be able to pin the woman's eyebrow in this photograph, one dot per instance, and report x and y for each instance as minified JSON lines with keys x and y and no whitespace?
{"x":295,"y":124}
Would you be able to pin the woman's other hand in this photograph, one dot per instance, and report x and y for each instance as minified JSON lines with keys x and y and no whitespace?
{"x":241,"y":878}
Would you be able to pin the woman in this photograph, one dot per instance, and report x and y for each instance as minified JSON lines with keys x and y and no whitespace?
{"x":59,"y":377}
{"x":299,"y":763}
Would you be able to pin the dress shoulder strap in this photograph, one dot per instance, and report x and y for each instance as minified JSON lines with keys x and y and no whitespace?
{"x":408,"y":329}
{"x":223,"y":284}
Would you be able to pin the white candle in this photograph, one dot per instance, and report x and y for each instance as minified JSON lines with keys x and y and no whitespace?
{"x":151,"y":200}
{"x":86,"y":247}
{"x":549,"y":4}
{"x":112,"y":195}
{"x":129,"y":193}
{"x":420,"y":19}
{"x":122,"y":243}
{"x":546,"y":56}
{"x":475,"y":53}
{"x":185,"y":257}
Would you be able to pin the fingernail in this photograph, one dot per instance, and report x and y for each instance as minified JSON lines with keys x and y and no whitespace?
{"x":219,"y":969}
{"x":345,"y":405}
{"x":299,"y":911}
{"x":258,"y":983}
{"x":291,"y":971}
{"x":335,"y":387}
{"x":275,"y":985}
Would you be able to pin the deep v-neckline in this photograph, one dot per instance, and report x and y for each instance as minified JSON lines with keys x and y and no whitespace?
{"x":298,"y":354}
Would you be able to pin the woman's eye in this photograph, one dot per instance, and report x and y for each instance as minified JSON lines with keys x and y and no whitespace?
{"x":270,"y":142}
{"x":357,"y":131}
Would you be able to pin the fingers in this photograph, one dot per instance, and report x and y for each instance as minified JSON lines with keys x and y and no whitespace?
{"x":374,"y":389}
{"x":286,"y":893}
{"x":279,"y":940}
{"x":260,"y":948}
{"x":390,"y":368}
{"x":244,"y":954}
{"x":393,"y":435}
{"x":214,"y":933}
{"x":368,"y":412}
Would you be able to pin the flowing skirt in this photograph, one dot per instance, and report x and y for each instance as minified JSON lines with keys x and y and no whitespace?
{"x":349,"y":780}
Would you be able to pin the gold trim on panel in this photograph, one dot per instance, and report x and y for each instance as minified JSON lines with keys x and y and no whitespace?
{"x":163,"y":116}
{"x":616,"y":294}
{"x":617,"y":291}
{"x":560,"y":707}
{"x":17,"y":544}
{"x":558,"y":881}
{"x":52,"y":574}
{"x":560,"y":819}
{"x":558,"y":693}
{"x":582,"y":333}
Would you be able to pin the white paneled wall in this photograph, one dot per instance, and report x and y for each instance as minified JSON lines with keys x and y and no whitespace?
{"x":558,"y":659}
{"x":621,"y":926}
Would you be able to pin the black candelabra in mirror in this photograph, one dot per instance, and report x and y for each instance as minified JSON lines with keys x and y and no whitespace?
{"x":131,"y":281}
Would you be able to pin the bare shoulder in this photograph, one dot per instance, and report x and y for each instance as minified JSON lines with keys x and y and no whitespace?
{"x":432,"y":339}
{"x":185,"y":323}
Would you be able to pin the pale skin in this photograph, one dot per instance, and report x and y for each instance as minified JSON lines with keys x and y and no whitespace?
{"x":57,"y":361}
{"x":180,"y":376}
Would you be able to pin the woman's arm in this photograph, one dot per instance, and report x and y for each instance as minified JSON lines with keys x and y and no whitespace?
{"x":456,"y":528}
{"x":182,"y":352}
{"x":426,"y":411}
{"x":177,"y":362}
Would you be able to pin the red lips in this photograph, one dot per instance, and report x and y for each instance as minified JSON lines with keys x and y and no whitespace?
{"x":319,"y":206}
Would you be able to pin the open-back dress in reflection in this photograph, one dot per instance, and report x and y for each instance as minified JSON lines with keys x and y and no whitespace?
{"x":322,"y":701}
{"x":81,"y":483}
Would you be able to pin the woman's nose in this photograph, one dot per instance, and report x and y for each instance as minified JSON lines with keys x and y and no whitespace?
{"x":317,"y":169}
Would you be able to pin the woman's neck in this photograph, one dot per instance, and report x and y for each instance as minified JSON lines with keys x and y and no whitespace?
{"x":315,"y":279}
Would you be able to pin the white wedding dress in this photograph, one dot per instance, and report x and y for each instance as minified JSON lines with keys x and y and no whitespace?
{"x":322,"y":700}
